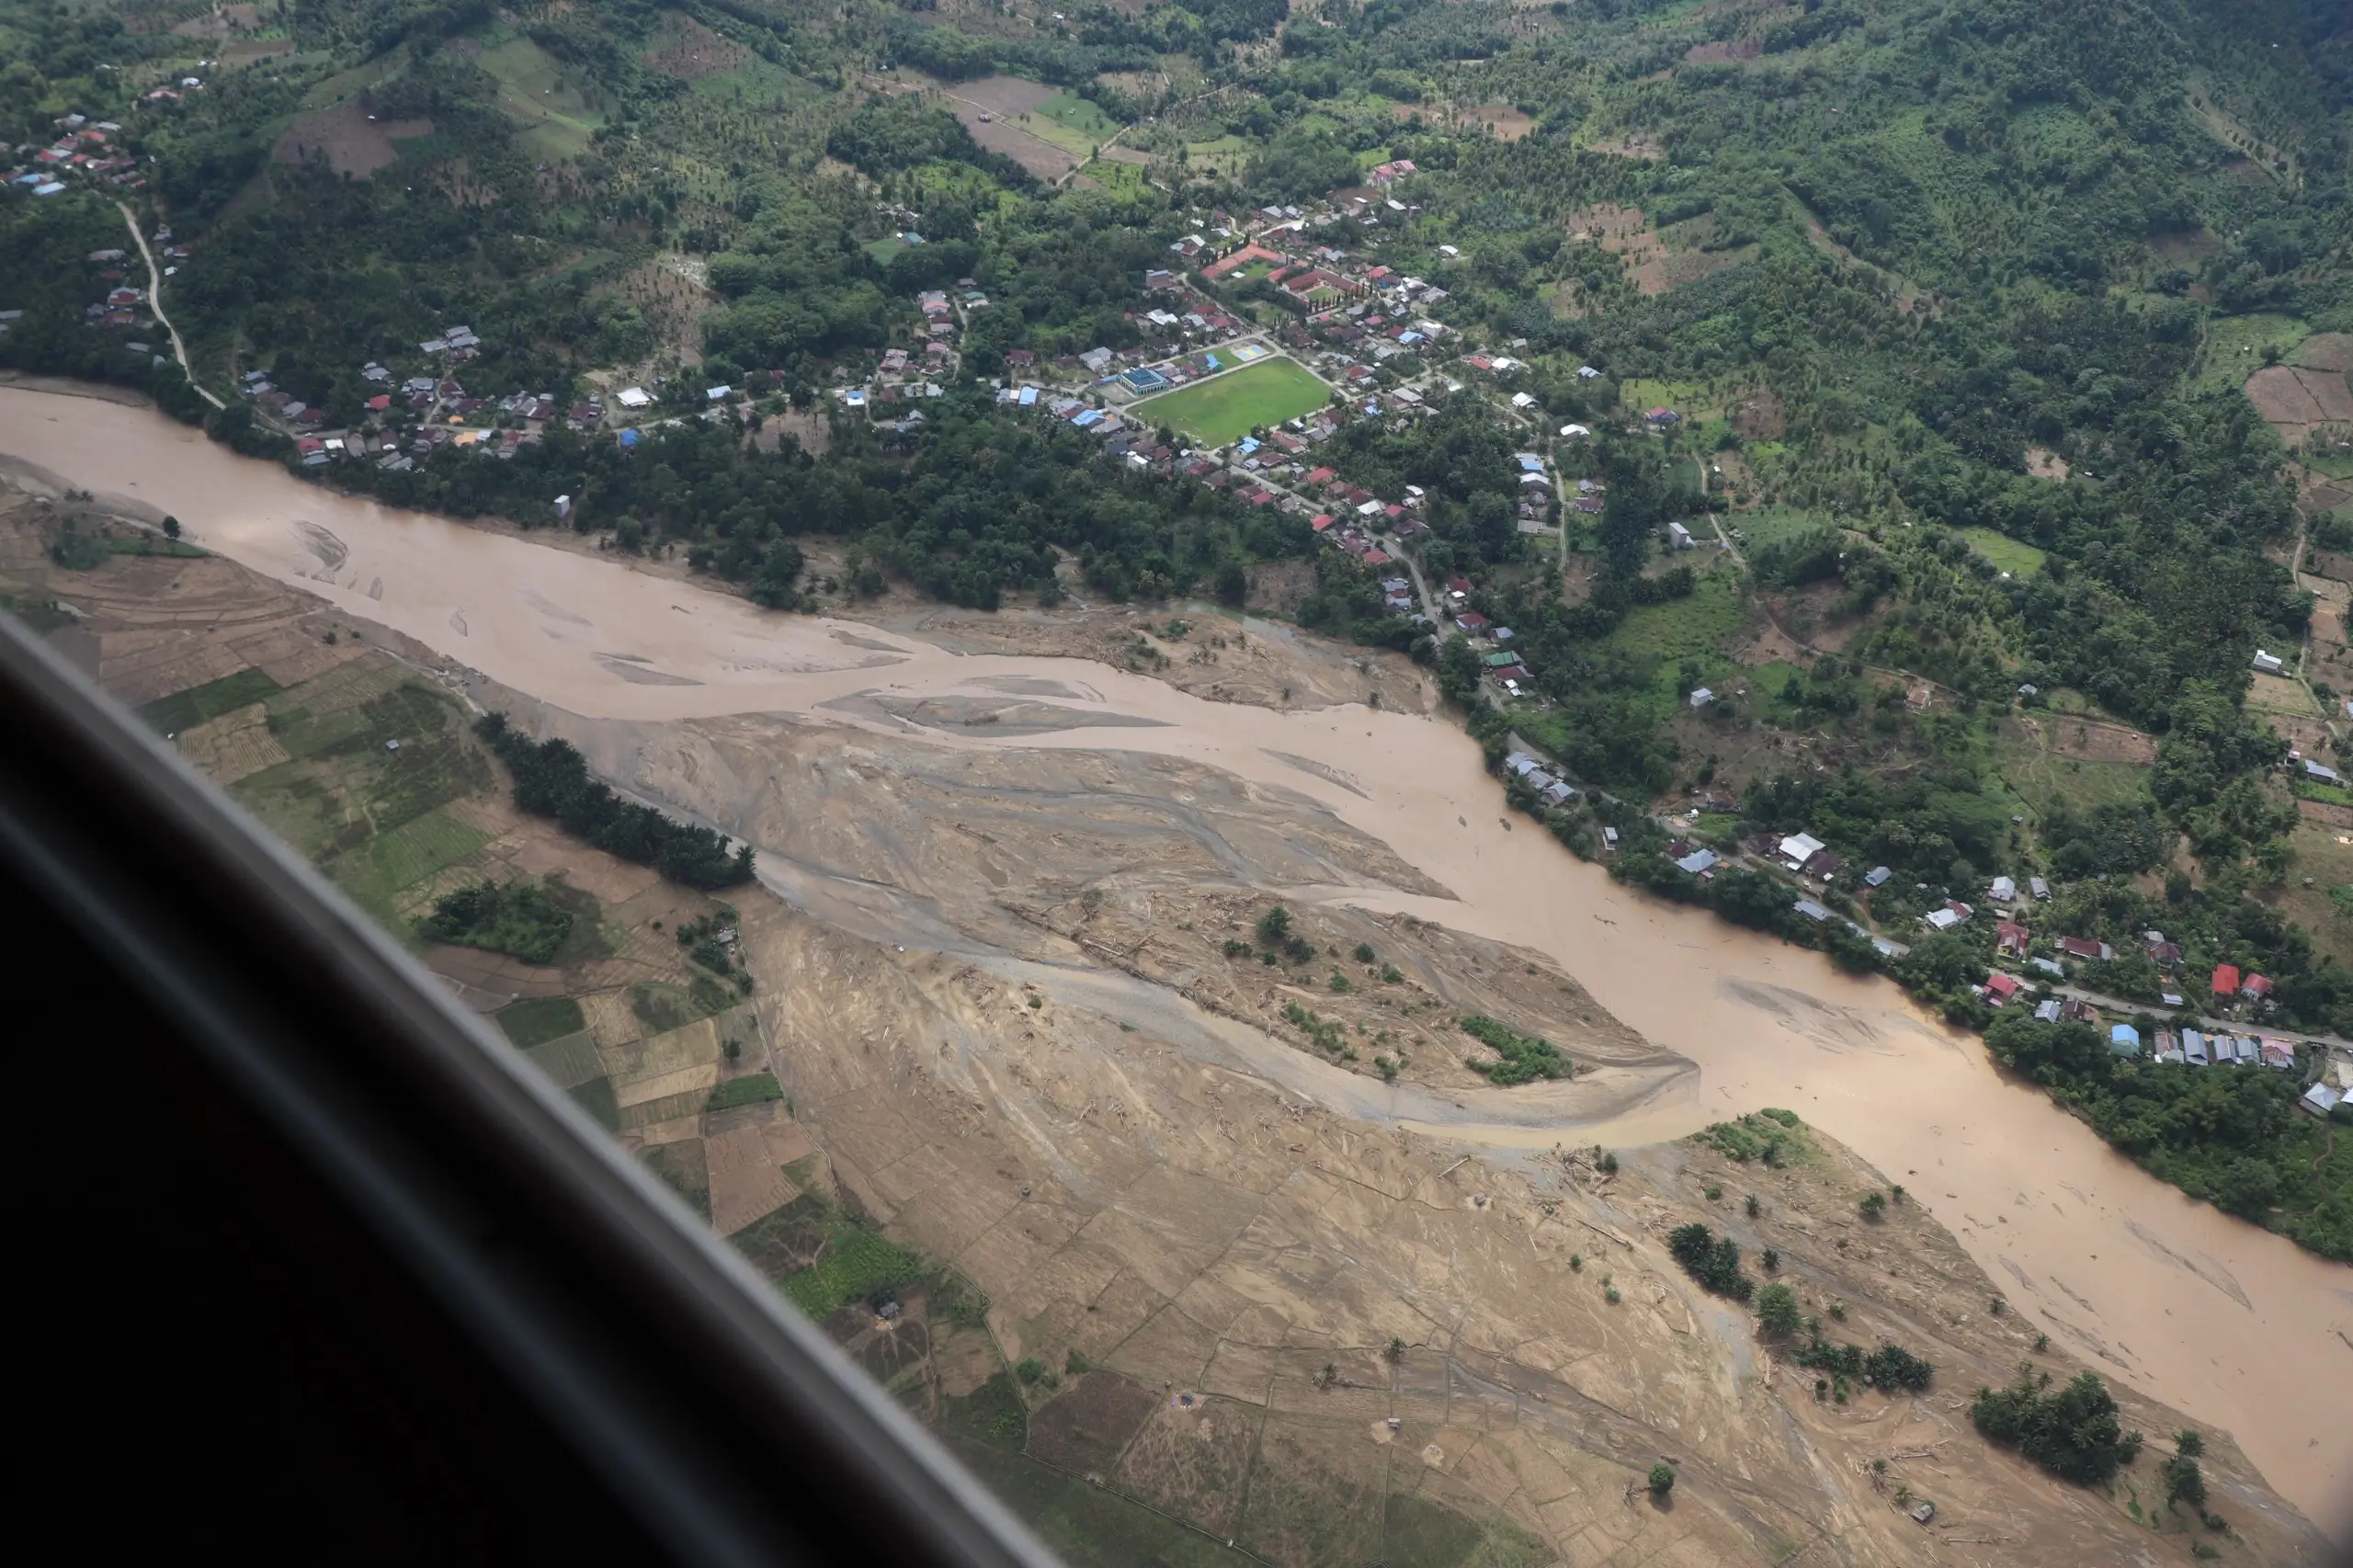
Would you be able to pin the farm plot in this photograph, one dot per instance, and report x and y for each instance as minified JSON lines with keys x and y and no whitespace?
{"x":2017,"y":558}
{"x":1003,"y":114}
{"x":1228,"y":408}
{"x":2292,"y":400}
{"x":534,"y":91}
{"x":348,"y":137}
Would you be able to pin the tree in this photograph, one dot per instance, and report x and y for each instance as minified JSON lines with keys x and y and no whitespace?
{"x":1776,"y":1311}
{"x":2185,"y":1483}
{"x":1459,"y":671}
{"x":1274,"y":926}
{"x":171,"y":528}
{"x":1661,"y":1479}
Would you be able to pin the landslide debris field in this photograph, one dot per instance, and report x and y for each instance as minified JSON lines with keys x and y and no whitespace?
{"x":1168,"y":1265}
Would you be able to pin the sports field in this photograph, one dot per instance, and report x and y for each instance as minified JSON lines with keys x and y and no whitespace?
{"x":1227,"y":407}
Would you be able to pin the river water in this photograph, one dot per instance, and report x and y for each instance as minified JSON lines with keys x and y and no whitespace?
{"x":2236,"y":1327}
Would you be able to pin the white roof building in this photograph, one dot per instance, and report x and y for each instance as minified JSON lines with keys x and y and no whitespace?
{"x":634,"y":397}
{"x":1800,"y":848}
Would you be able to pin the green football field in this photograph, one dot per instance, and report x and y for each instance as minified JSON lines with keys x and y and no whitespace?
{"x":1225,"y":408}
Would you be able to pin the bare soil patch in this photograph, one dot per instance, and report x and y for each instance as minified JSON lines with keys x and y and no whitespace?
{"x":1726,"y":51}
{"x":221,"y":21}
{"x":1662,"y":273}
{"x":2327,"y":351}
{"x":1001,"y":94}
{"x":348,"y":136}
{"x":1760,"y":416}
{"x":1610,"y":225}
{"x":253,"y":50}
{"x":1086,"y":1429}
{"x":1035,"y":153}
{"x":1507,"y":122}
{"x":1633,"y":145}
{"x":2293,"y":399}
{"x":2044,"y":464}
{"x":2187,"y":249}
{"x":2328,"y":563}
{"x":2093,"y":740}
{"x":690,"y":51}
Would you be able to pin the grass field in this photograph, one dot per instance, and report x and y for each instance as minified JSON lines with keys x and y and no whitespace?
{"x":1771,"y":525}
{"x":751,"y":1090}
{"x":1687,"y":627}
{"x":186,"y":710}
{"x":2234,"y":346}
{"x":1228,"y":408}
{"x":2006,"y":554}
{"x":1688,"y":398}
{"x":2076,"y":785}
{"x":857,"y":1263}
{"x":756,"y":84}
{"x":1224,"y":156}
{"x":1090,"y":1526}
{"x":535,"y":1020}
{"x":534,"y":90}
{"x":1072,"y":123}
{"x":417,"y":849}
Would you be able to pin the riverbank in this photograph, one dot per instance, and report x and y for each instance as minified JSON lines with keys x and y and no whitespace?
{"x":2229,"y":1324}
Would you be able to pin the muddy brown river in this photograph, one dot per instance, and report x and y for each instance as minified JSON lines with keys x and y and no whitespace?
{"x":2237,"y":1327}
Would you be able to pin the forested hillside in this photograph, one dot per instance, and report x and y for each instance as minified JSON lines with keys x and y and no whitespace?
{"x":1990,"y":355}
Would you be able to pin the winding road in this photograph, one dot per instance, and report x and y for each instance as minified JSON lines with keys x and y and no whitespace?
{"x":156,"y":302}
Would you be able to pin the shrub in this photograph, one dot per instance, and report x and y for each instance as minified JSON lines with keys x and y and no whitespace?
{"x":1661,"y":1479}
{"x":1776,"y":1311}
{"x":1873,"y":1205}
{"x":2185,"y":1483}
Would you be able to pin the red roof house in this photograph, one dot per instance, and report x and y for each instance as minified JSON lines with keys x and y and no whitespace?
{"x":2009,"y":936}
{"x":2226,"y":980}
{"x":2255,"y":985}
{"x":2000,"y":988}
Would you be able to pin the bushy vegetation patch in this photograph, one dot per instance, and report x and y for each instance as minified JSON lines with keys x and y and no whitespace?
{"x":516,"y":918}
{"x":1521,"y":1059}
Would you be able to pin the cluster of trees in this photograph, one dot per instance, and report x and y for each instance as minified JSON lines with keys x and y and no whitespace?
{"x":1712,"y":1260}
{"x":2233,"y":1136}
{"x":1890,"y":1369}
{"x":1521,"y":1059}
{"x":2072,"y":1431}
{"x":516,"y":918}
{"x":551,"y":780}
